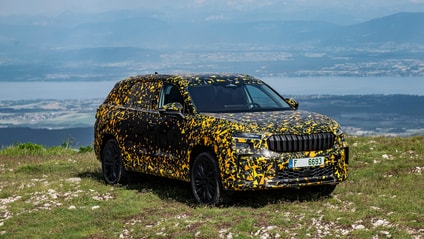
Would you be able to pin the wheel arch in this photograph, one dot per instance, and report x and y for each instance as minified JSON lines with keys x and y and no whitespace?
{"x":102,"y":143}
{"x":201,"y":149}
{"x":198,"y":150}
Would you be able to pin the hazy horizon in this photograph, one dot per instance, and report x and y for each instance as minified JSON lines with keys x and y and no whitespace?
{"x":341,"y":12}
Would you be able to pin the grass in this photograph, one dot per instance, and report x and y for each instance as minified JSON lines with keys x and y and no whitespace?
{"x":59,"y":193}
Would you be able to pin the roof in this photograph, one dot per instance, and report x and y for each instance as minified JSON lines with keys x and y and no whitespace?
{"x":201,"y":78}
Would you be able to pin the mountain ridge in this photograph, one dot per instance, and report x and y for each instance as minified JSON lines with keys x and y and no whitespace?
{"x":125,"y":29}
{"x":117,"y":44}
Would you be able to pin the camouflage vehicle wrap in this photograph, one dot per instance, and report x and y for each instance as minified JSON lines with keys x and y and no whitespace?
{"x":143,"y":126}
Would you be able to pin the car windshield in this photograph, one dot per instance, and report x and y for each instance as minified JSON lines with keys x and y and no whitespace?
{"x":236,"y":98}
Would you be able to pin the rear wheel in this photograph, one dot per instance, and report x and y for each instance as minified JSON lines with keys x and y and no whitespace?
{"x":112,"y":168}
{"x":205,"y":180}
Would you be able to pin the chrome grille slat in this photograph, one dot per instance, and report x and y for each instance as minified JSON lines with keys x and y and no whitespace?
{"x":296,"y":143}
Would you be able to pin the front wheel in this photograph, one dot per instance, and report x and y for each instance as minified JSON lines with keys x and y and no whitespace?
{"x":205,"y":180}
{"x":112,"y":168}
{"x":326,"y":190}
{"x":322,"y":190}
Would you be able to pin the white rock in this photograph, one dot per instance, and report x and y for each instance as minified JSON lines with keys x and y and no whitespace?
{"x":95,"y":207}
{"x":358,"y":227}
{"x":73,"y":180}
{"x":380,"y":222}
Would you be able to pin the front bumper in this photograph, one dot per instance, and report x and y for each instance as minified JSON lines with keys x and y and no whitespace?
{"x":267,"y":170}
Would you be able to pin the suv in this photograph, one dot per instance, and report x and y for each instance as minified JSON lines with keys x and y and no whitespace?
{"x":218,"y":132}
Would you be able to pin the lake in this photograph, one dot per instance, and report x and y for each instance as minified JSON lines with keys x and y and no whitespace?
{"x":348,"y":85}
{"x":286,"y":86}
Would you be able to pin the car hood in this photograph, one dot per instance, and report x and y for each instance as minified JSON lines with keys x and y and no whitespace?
{"x":294,"y":122}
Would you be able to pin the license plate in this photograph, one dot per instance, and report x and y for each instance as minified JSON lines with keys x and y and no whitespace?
{"x":306,"y":162}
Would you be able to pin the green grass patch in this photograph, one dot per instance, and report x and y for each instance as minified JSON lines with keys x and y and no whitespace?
{"x":59,"y":193}
{"x":31,"y":149}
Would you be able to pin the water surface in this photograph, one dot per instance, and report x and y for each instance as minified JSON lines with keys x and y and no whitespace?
{"x":286,"y":86}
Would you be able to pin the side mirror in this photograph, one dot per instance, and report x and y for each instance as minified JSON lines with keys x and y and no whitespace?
{"x":174,"y":108}
{"x":293,"y":103}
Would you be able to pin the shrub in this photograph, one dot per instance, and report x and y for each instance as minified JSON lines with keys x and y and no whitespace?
{"x":86,"y":149}
{"x":20,"y":149}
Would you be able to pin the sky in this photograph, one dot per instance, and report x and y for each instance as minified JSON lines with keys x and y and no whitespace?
{"x":356,"y":10}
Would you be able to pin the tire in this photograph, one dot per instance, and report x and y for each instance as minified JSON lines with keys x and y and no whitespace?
{"x":205,"y":180}
{"x":323,"y":190}
{"x":326,"y":190}
{"x":112,"y":168}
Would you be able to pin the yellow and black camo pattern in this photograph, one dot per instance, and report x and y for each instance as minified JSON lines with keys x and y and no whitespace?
{"x":245,"y":163}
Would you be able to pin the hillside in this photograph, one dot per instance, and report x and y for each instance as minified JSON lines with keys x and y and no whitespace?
{"x":117,"y":44}
{"x":49,"y":193}
{"x":399,"y":28}
{"x":131,"y":29}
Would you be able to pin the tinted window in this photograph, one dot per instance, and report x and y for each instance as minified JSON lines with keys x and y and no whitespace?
{"x":263,"y":96}
{"x":236,"y":98}
{"x":170,"y":94}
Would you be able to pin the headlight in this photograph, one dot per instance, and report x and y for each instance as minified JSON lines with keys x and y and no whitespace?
{"x":340,"y":135}
{"x":245,"y":141}
{"x":339,"y":131}
{"x":247,"y":136}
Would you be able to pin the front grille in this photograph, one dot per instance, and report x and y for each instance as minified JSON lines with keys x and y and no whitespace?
{"x":296,"y":143}
{"x":309,"y":174}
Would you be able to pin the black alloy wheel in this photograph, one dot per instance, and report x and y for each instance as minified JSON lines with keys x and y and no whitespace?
{"x":112,"y":162}
{"x":205,"y":180}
